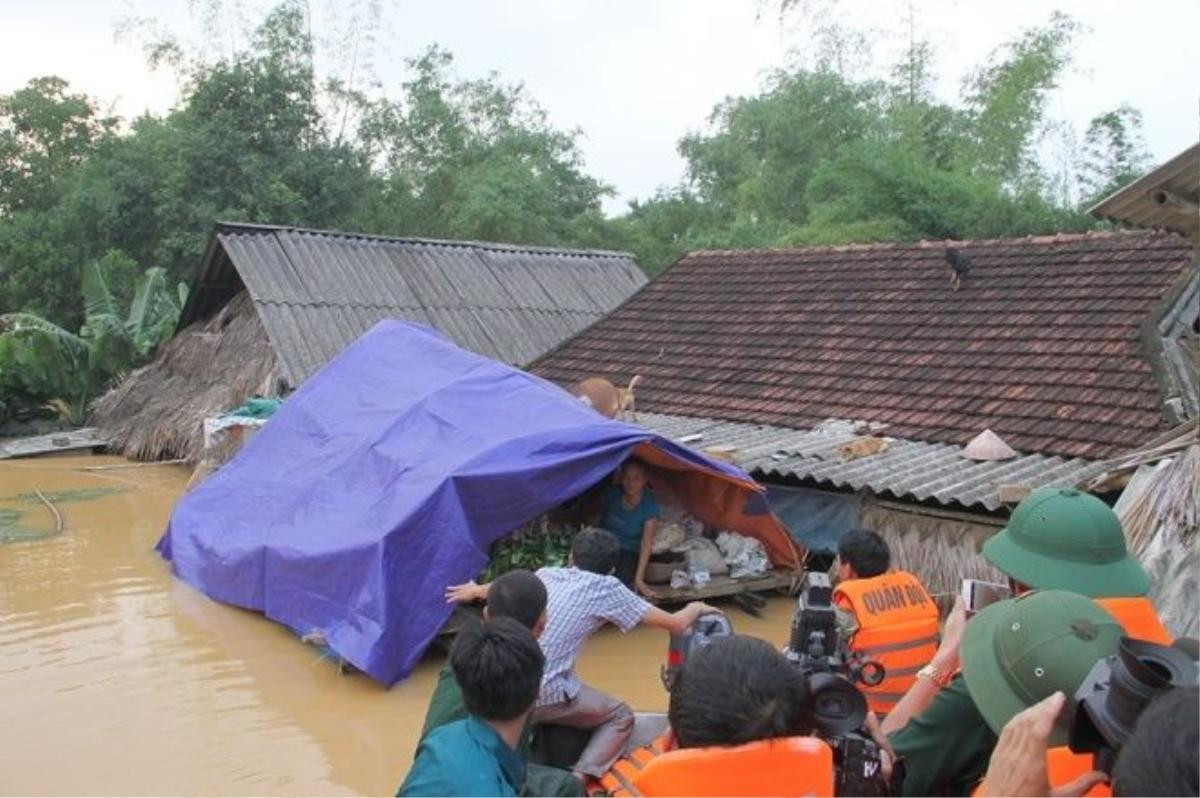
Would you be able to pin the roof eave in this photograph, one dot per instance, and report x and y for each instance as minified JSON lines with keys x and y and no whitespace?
{"x":1163,"y":199}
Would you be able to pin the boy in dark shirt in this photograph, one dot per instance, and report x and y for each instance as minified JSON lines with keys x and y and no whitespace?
{"x":498,"y":667}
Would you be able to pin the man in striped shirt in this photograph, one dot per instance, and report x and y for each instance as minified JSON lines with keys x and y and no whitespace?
{"x":582,"y":598}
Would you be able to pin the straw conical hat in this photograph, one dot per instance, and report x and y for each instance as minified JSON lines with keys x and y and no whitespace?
{"x":987,"y":445}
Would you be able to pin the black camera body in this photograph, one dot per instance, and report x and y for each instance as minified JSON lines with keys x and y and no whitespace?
{"x":839,"y":708}
{"x":706,"y":629}
{"x":1118,"y":688}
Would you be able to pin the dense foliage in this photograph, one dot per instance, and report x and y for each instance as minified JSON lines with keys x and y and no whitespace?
{"x":821,"y":155}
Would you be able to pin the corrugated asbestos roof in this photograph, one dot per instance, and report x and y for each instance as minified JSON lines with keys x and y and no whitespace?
{"x":1164,"y":199}
{"x":317,"y":291}
{"x":905,"y":470}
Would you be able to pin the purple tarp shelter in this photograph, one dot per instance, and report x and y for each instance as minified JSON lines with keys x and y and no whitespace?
{"x":386,"y":477}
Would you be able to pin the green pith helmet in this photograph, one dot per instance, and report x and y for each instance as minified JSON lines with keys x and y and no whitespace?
{"x":1064,"y":539}
{"x":1017,"y":652}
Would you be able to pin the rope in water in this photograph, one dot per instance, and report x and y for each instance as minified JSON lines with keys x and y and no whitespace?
{"x":58,"y":519}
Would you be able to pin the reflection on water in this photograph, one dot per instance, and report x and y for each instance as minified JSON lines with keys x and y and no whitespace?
{"x":118,"y":679}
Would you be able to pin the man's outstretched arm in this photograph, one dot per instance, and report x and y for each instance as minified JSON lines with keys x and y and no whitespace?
{"x":467,"y":592}
{"x":680,"y":620}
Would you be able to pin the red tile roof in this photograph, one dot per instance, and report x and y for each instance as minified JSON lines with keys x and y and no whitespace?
{"x":1041,"y":342}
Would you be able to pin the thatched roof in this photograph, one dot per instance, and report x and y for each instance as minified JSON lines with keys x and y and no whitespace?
{"x":158,"y":411}
{"x":1160,"y":510}
{"x":1160,"y":513}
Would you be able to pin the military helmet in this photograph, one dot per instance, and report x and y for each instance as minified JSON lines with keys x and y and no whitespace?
{"x":1064,"y":539}
{"x":1017,"y":652}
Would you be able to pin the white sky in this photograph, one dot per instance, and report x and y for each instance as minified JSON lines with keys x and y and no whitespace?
{"x":635,"y":75}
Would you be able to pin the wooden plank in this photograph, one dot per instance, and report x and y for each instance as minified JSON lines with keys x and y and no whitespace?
{"x":70,"y":440}
{"x":724,"y":586}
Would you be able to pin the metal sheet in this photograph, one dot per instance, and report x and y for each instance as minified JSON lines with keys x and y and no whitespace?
{"x":317,"y":290}
{"x":906,"y":469}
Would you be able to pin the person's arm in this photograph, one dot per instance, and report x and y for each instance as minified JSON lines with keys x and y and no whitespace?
{"x":945,"y":661}
{"x":944,"y":749}
{"x":680,"y":620}
{"x":467,"y":592}
{"x":639,"y":576}
{"x":847,"y":623}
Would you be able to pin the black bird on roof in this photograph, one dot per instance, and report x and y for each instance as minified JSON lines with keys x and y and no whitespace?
{"x":958,"y":265}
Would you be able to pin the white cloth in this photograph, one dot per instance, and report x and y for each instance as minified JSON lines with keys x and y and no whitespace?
{"x":744,"y":556}
{"x":703,"y":554}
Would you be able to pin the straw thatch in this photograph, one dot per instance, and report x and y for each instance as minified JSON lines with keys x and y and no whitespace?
{"x":939,"y":549}
{"x":157,"y":412}
{"x":1160,"y":509}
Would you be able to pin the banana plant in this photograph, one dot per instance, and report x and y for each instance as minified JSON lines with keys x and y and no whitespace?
{"x":42,"y":363}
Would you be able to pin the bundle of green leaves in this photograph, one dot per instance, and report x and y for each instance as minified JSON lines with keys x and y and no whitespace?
{"x":537,"y":544}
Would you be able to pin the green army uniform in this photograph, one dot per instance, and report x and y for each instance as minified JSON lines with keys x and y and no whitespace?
{"x":446,"y":706}
{"x":945,"y":749}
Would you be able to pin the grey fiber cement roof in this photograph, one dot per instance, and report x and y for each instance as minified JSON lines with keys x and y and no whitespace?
{"x":905,"y":469}
{"x":1143,"y":202}
{"x":316,"y":291}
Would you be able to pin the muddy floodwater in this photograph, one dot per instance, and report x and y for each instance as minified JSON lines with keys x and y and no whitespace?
{"x":116,"y":678}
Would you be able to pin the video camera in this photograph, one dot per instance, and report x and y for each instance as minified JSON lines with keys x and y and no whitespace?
{"x":839,"y":708}
{"x":706,"y":629}
{"x":1119,"y":687}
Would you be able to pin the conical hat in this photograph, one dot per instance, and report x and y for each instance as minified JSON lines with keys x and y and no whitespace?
{"x":987,"y":445}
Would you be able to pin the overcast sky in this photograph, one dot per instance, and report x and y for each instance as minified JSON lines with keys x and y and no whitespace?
{"x":635,"y":75}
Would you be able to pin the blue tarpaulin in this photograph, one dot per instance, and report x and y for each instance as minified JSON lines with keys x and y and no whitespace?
{"x":386,"y":477}
{"x":817,"y":519}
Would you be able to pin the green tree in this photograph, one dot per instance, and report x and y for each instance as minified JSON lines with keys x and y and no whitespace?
{"x":755,"y":164}
{"x":824,"y":157}
{"x":45,"y":133}
{"x":476,"y":159}
{"x":1006,"y":100}
{"x":1114,"y":153}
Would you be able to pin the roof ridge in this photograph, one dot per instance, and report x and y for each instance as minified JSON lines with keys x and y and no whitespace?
{"x":924,"y":243}
{"x":223,"y":226}
{"x":432,"y":306}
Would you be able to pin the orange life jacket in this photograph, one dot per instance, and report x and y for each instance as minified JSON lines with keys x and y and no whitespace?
{"x":897,"y":627}
{"x":1138,"y":617}
{"x":784,"y":766}
{"x":1062,"y":767}
{"x":620,"y":778}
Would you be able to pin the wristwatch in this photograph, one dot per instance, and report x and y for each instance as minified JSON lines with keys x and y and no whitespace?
{"x":934,"y":675}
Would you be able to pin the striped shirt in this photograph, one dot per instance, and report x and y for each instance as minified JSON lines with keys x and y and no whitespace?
{"x":578,"y":603}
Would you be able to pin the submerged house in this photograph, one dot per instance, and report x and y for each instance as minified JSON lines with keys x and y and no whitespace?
{"x":852,"y":379}
{"x":271,"y":305}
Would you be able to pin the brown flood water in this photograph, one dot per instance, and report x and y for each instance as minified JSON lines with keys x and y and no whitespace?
{"x":116,"y":678}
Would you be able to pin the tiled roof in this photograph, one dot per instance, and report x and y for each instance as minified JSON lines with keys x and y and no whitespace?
{"x":1041,"y":342}
{"x":316,"y":291}
{"x":934,"y":472}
